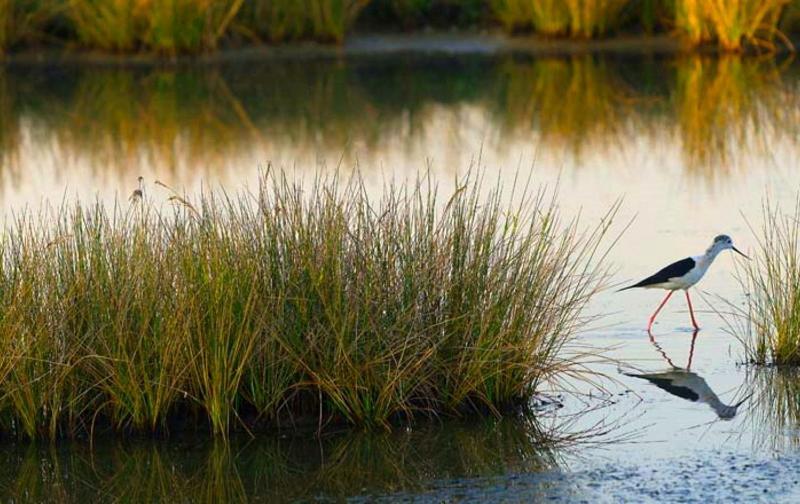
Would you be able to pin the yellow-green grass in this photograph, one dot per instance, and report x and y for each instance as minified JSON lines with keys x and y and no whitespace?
{"x":171,"y":27}
{"x":574,"y":18}
{"x":769,"y":323}
{"x":287,"y":20}
{"x":730,"y":24}
{"x":297,"y":301}
{"x":164,"y":26}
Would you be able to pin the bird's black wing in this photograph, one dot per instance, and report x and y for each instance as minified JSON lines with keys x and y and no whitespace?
{"x":666,"y":384}
{"x":676,"y":269}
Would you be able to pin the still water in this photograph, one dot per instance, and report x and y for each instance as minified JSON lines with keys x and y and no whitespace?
{"x":691,"y":144}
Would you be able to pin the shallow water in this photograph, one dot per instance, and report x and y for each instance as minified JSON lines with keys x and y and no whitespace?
{"x":691,"y":144}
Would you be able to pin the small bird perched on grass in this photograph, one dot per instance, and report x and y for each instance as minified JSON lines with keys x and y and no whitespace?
{"x":138,"y":193}
{"x":684,"y":274}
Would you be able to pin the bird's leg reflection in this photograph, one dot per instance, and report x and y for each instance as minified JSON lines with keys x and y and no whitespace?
{"x":660,"y":350}
{"x":691,"y":349}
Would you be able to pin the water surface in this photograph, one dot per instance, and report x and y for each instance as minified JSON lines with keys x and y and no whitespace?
{"x":692,"y":144}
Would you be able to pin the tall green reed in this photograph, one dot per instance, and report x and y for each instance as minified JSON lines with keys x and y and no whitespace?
{"x":164,"y":26}
{"x":575,"y":18}
{"x":732,"y":24}
{"x":287,"y":20}
{"x":178,"y":26}
{"x":110,"y":25}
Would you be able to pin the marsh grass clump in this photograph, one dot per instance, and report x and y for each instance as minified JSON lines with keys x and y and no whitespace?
{"x":161,"y":26}
{"x":299,"y":301}
{"x":769,"y":324}
{"x":731,"y":24}
{"x":573,"y":18}
{"x":288,"y":20}
{"x":172,"y":27}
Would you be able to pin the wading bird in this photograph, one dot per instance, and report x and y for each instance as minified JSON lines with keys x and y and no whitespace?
{"x":683,"y":274}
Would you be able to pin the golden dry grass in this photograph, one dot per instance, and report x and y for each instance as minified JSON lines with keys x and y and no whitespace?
{"x":731,"y":24}
{"x":574,"y":18}
{"x":164,"y":26}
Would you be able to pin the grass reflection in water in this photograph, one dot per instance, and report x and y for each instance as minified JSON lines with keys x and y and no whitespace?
{"x":278,"y":469}
{"x":775,"y":412}
{"x":211,"y":118}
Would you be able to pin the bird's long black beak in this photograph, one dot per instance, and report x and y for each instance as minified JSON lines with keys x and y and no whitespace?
{"x":740,"y":253}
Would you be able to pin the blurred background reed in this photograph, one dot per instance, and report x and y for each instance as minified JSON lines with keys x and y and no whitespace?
{"x":173,"y":27}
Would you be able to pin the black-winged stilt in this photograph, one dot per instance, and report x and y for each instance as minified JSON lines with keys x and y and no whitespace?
{"x":684,"y":274}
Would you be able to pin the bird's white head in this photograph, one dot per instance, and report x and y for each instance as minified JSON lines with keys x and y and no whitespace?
{"x":723,"y":242}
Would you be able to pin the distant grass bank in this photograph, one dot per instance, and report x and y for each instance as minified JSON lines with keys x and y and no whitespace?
{"x":171,"y":27}
{"x":289,"y":303}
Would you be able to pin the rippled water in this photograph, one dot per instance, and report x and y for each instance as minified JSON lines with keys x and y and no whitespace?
{"x":692,"y":145}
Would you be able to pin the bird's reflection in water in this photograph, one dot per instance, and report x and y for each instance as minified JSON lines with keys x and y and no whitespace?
{"x":686,"y":384}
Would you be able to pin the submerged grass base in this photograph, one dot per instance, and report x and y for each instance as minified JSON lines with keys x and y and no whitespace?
{"x":296,"y":301}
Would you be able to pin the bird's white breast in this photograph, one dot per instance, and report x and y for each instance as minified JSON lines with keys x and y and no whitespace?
{"x":701,"y":264}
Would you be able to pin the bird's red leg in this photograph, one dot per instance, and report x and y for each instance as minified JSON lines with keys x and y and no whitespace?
{"x":653,"y":318}
{"x":691,"y":311}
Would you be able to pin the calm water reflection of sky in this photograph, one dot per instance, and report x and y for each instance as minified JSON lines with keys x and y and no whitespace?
{"x":691,"y":144}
